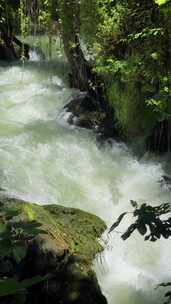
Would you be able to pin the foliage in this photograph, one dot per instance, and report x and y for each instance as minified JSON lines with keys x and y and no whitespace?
{"x":14,"y":236}
{"x":9,"y":13}
{"x":89,"y":21}
{"x":130,"y":59}
{"x":28,"y":17}
{"x":130,"y":46}
{"x":24,"y":20}
{"x":127,"y":43}
{"x":148,"y":222}
{"x":161,"y":103}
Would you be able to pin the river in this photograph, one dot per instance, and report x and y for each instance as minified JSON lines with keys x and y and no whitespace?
{"x":44,"y":160}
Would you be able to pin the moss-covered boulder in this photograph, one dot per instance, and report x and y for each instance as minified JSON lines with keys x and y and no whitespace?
{"x":55,"y":243}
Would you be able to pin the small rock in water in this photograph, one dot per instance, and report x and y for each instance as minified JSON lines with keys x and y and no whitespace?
{"x":165,"y":182}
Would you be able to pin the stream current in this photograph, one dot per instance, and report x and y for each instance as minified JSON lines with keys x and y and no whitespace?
{"x":44,"y":160}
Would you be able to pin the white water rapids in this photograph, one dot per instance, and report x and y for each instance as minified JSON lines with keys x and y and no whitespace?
{"x":42,"y":159}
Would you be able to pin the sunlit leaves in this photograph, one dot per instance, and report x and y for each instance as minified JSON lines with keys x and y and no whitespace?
{"x":157,"y":104}
{"x":161,"y":103}
{"x":146,"y":33}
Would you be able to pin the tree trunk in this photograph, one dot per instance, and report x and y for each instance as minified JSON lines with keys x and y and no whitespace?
{"x":7,"y":48}
{"x":82,"y":76}
{"x":70,"y":23}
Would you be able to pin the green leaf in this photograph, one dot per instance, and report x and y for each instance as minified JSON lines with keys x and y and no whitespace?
{"x":116,"y":224}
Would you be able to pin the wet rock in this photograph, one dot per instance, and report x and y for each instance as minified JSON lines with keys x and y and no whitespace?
{"x":63,"y":248}
{"x":86,"y":112}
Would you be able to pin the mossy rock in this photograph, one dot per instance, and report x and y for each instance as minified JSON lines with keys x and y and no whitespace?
{"x":63,"y":248}
{"x":81,"y":228}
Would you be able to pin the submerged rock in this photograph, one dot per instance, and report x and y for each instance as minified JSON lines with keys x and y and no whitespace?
{"x":59,"y":242}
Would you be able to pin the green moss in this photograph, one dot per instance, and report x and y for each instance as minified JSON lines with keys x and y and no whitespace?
{"x":28,"y":210}
{"x":134,"y":117}
{"x":66,"y":228}
{"x":83,"y":228}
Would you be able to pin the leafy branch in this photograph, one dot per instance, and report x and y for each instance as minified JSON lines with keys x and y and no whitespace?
{"x":148,"y":222}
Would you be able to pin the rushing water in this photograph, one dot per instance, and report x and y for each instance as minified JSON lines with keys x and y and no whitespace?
{"x":42,"y":159}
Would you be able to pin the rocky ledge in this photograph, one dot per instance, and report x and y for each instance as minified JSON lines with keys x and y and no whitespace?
{"x":46,"y":254}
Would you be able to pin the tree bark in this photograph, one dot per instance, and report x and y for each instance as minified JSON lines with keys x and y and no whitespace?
{"x":82,"y":75}
{"x":9,"y":40}
{"x":70,"y":23}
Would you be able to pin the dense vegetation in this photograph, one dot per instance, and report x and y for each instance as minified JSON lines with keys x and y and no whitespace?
{"x":128,"y":45}
{"x":122,"y":46}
